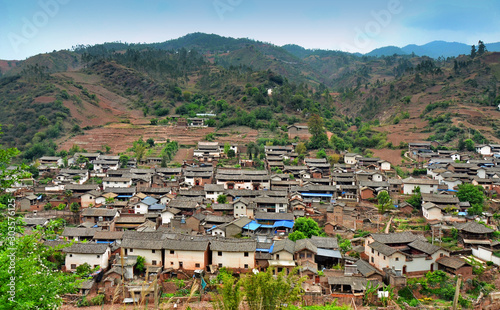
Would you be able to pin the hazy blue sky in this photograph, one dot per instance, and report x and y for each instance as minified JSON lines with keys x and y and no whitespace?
{"x":31,"y":27}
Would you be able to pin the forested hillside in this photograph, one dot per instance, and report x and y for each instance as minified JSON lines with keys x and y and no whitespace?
{"x":366,"y":102}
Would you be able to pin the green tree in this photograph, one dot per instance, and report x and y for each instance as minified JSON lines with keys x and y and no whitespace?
{"x":471,"y":193}
{"x":150,"y":142}
{"x":38,"y":282}
{"x":296,"y":235}
{"x":469,"y":145}
{"x":139,"y":151}
{"x":384,"y":202}
{"x":84,"y":270}
{"x":321,"y":154}
{"x":229,"y":295}
{"x":345,"y":246}
{"x":231,"y":154}
{"x":416,"y":199}
{"x":227,"y":147}
{"x":473,"y":51}
{"x":317,"y":129}
{"x":222,"y":199}
{"x":307,"y":226}
{"x":481,"y":48}
{"x":265,"y":291}
{"x":300,"y":148}
{"x":74,"y":207}
{"x":139,"y":265}
{"x":123,"y":160}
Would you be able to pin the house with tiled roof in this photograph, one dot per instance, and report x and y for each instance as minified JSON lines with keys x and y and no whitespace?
{"x":237,"y":254}
{"x":186,"y":254}
{"x":94,"y":254}
{"x":405,"y":251}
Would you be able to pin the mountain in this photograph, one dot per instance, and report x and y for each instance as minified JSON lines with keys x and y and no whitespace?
{"x":114,"y":93}
{"x":386,"y":51}
{"x":434,"y":49}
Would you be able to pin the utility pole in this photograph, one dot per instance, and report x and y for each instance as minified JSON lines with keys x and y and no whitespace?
{"x":457,"y":292}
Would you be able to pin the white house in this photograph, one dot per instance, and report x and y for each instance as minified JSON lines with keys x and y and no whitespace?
{"x":113,"y":182}
{"x":185,"y":254}
{"x":409,"y":253}
{"x":148,"y":246}
{"x":235,"y":255}
{"x":351,"y":158}
{"x":483,"y":149}
{"x":94,"y":254}
{"x":427,"y":186}
{"x":169,"y":213}
{"x":431,"y":211}
{"x":384,"y":165}
{"x":242,"y":207}
{"x":212,"y":191}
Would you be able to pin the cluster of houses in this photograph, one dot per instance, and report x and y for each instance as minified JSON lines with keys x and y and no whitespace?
{"x":204,"y":217}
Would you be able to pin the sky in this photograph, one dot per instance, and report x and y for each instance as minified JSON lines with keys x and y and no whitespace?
{"x":28,"y":28}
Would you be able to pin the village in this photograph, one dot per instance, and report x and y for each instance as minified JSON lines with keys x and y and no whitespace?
{"x":187,"y":223}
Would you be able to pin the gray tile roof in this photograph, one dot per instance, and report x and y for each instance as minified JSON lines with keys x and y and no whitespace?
{"x":366,"y":269}
{"x":142,"y":244}
{"x":474,"y":227}
{"x":402,"y":237}
{"x":183,"y":245}
{"x":424,"y":246}
{"x":233,"y":246}
{"x":99,"y":212}
{"x":108,"y":235}
{"x":325,"y":242}
{"x":452,"y":262}
{"x":382,"y":248}
{"x":86,"y":248}
{"x":274,"y":216}
{"x":79,"y":232}
{"x":284,"y":245}
{"x":303,"y":244}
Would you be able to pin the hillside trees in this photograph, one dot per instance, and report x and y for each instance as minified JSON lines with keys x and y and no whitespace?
{"x":317,"y":129}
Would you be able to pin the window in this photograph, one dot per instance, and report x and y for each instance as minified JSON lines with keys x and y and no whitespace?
{"x":397,"y":259}
{"x":171,"y":263}
{"x":180,"y":264}
{"x":197,"y":265}
{"x":172,"y":251}
{"x":277,"y":256}
{"x":373,"y":260}
{"x":384,"y":257}
{"x":71,"y":255}
{"x":373,"y":251}
{"x":309,"y":255}
{"x":245,"y":266}
{"x":153,"y":251}
{"x":98,"y":256}
{"x":245,"y":254}
{"x":441,"y":255}
{"x":220,"y":265}
{"x":153,"y":262}
{"x":219,"y":253}
{"x":73,"y":266}
{"x":131,"y":250}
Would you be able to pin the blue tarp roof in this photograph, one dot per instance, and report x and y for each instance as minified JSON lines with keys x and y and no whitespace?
{"x":211,"y":228}
{"x":150,"y":200}
{"x":266,"y":226}
{"x":316,"y":195}
{"x":123,"y":196}
{"x":253,"y":225}
{"x":156,"y":206}
{"x":447,"y":190}
{"x":287,"y":224}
